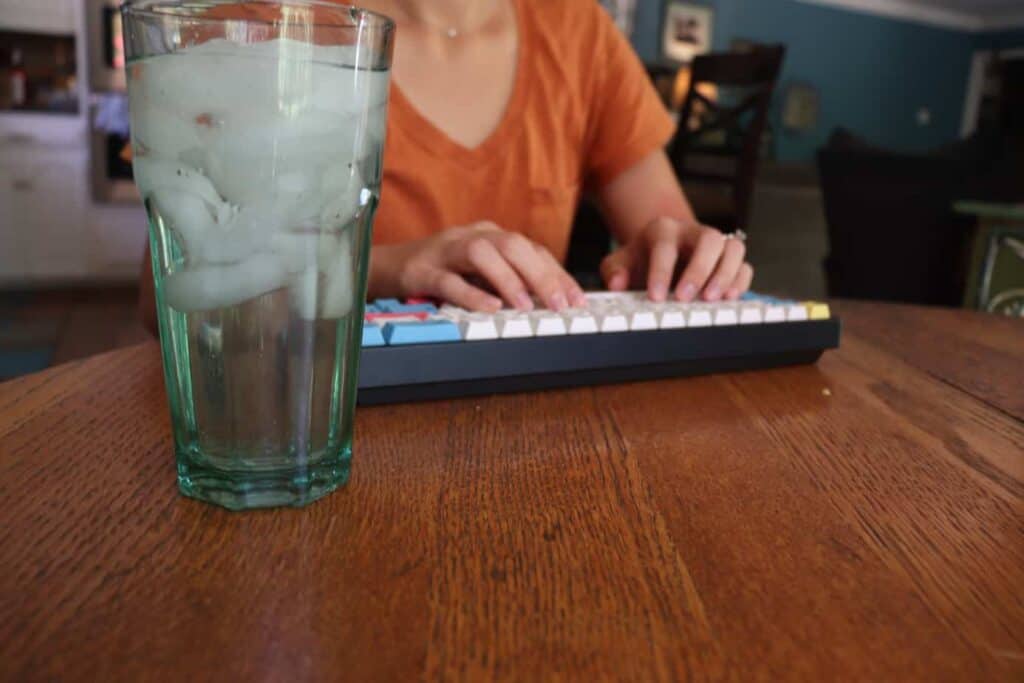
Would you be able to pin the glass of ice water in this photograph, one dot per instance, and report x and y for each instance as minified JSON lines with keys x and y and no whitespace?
{"x":257,"y":135}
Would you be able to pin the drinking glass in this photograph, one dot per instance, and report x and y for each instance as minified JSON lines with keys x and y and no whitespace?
{"x":257,"y":133}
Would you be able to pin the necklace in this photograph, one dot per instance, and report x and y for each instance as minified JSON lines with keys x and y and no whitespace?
{"x":450,"y":31}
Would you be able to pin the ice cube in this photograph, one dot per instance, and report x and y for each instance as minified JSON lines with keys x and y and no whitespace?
{"x":162,"y":132}
{"x":340,"y":280}
{"x":247,"y":154}
{"x":187,"y":215}
{"x":211,"y":287}
{"x":154,"y":173}
{"x":342,"y":190}
{"x":303,"y":293}
{"x":299,"y":251}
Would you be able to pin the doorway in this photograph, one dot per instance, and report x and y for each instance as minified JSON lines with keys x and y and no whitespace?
{"x":985,"y":88}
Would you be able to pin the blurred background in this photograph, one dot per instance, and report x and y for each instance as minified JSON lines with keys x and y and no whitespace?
{"x":871,"y":150}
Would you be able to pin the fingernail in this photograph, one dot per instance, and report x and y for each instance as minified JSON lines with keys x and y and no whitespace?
{"x":732,"y":294}
{"x":579,"y":299}
{"x":658,"y":291}
{"x":713,"y":293}
{"x":524,"y":302}
{"x":558,"y":301}
{"x":688,"y":292}
{"x":617,"y":282}
{"x":494,"y":303}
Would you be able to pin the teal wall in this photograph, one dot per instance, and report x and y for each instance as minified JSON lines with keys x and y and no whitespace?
{"x":873,"y":74}
{"x":1001,"y":40}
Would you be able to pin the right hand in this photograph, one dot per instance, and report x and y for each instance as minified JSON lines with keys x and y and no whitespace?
{"x":460,"y":265}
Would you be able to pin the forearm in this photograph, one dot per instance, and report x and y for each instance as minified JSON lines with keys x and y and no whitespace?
{"x":377,"y":280}
{"x":384,"y":279}
{"x":643,"y":193}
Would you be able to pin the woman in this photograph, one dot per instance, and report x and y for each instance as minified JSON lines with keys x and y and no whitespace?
{"x":502,"y":112}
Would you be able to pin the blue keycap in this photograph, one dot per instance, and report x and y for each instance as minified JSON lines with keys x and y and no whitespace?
{"x":373,"y":335}
{"x":387,"y":305}
{"x":373,"y":308}
{"x":396,"y":306}
{"x":426,"y":332}
{"x":415,"y":308}
{"x":761,"y":298}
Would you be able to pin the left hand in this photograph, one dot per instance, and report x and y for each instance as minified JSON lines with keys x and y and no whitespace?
{"x":714,"y":264}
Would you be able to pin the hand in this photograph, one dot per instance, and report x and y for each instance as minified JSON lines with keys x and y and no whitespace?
{"x":714,"y":269}
{"x":463,"y":265}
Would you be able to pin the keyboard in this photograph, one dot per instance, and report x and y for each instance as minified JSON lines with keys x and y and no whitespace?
{"x":415,"y":350}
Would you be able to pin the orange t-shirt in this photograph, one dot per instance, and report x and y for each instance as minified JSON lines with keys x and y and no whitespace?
{"x":582,"y":111}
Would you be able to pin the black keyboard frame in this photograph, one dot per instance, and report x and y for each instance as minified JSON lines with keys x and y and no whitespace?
{"x":423,"y":372}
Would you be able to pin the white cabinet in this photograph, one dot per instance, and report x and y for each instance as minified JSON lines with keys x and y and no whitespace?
{"x":43,"y":217}
{"x":54,"y":229}
{"x":51,"y":231}
{"x":12,"y":253}
{"x":38,"y":16}
{"x":117,"y":241}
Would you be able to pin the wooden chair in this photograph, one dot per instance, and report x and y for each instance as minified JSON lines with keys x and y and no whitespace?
{"x":716,"y":149}
{"x":743,"y":124}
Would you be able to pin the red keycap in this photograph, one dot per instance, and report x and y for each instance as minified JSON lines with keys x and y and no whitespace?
{"x":391,"y":317}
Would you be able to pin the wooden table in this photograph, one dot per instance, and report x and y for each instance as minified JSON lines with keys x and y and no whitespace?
{"x":859,"y":519}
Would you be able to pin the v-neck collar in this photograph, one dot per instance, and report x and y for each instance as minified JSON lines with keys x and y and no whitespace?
{"x":435,"y":141}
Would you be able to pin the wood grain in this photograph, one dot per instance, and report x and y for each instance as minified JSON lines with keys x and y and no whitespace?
{"x":858,"y":519}
{"x":979,"y":354}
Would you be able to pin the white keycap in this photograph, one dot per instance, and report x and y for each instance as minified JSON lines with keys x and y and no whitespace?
{"x":774,"y":313}
{"x":514,"y":326}
{"x":580,"y":322}
{"x":612,"y":321}
{"x":751,"y":314}
{"x":476,"y":327}
{"x":672,"y":317}
{"x":725,"y":314}
{"x":548,"y":324}
{"x":796,"y":312}
{"x":606,"y":298}
{"x":643,"y":320}
{"x":699,"y":317}
{"x":450,"y":312}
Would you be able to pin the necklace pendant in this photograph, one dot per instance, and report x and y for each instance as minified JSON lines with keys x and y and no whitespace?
{"x":452,"y":32}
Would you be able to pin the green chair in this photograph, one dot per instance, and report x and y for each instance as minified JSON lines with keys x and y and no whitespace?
{"x":995,"y":281}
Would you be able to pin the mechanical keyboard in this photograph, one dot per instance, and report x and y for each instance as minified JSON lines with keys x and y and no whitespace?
{"x":415,"y":350}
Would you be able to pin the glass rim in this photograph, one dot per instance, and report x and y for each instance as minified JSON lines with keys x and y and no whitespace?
{"x":157,"y":8}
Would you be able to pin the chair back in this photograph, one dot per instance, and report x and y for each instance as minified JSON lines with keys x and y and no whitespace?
{"x":730,"y":127}
{"x":893,"y":233}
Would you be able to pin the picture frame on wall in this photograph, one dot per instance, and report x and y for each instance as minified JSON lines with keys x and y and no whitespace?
{"x":685,"y":31}
{"x":622,"y":12}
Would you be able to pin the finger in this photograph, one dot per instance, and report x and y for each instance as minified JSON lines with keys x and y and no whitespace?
{"x":706,"y":252}
{"x":539,"y":275}
{"x":615,"y":269}
{"x":742,"y":283}
{"x":664,"y":254}
{"x":572,"y":288}
{"x":481,"y":256}
{"x":451,"y":287}
{"x":726,"y":271}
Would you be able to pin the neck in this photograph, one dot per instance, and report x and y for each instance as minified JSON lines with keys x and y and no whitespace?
{"x":460,"y":14}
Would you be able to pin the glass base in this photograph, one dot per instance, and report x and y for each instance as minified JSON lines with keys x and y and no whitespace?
{"x":262,"y":489}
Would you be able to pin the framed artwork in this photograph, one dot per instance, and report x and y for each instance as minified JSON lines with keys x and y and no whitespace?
{"x":622,"y":12}
{"x":800,"y":107}
{"x":685,"y":31}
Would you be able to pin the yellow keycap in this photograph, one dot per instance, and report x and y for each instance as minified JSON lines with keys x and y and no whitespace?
{"x":817,"y":310}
